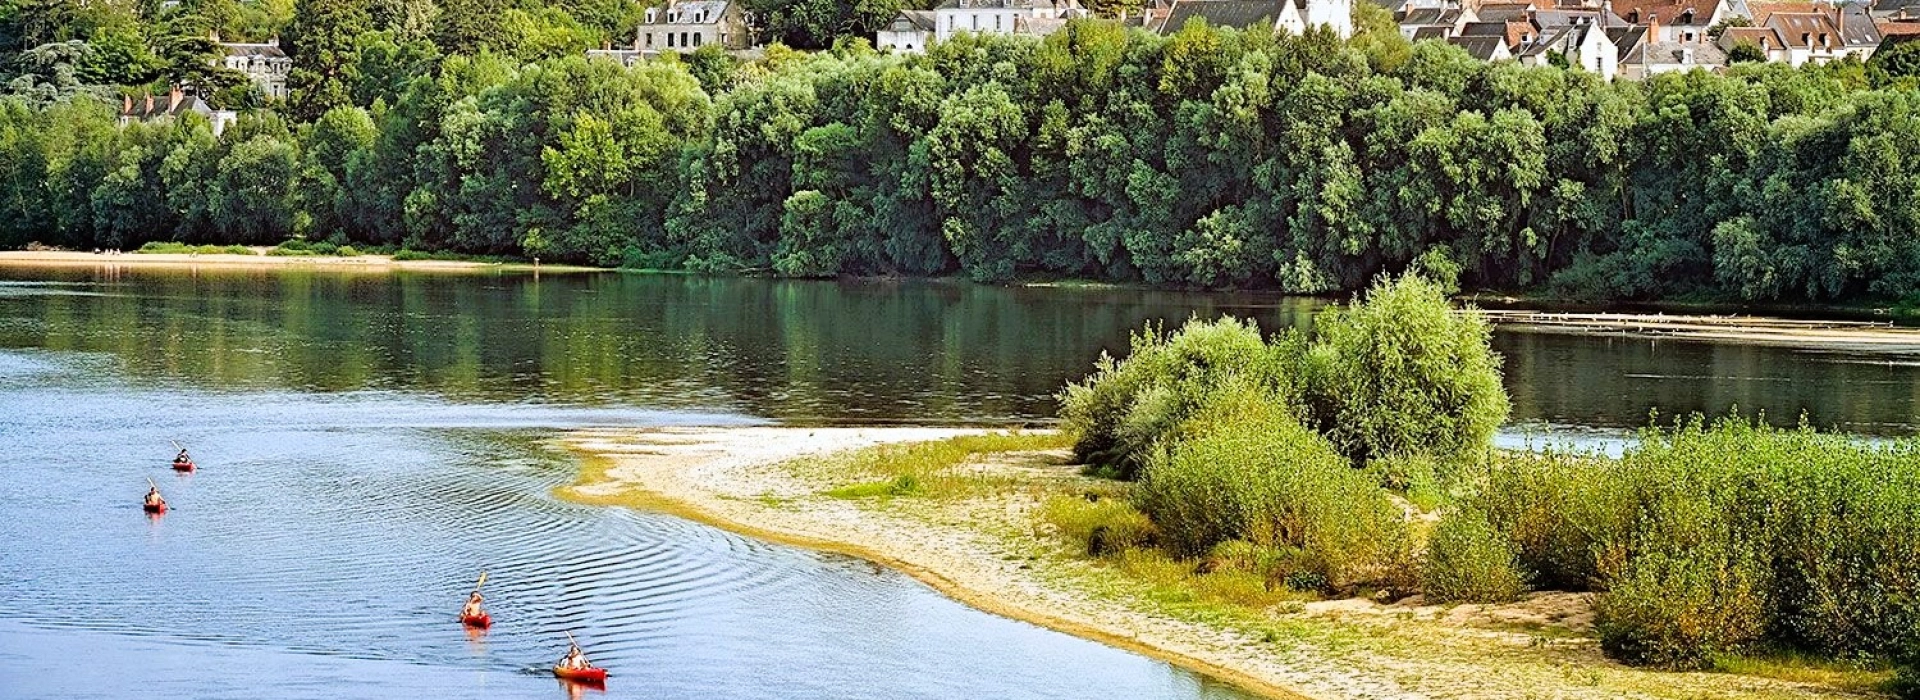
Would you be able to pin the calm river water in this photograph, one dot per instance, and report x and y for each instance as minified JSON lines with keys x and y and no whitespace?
{"x":370,"y":442}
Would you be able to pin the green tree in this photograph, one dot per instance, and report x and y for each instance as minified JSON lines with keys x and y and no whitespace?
{"x":321,"y":41}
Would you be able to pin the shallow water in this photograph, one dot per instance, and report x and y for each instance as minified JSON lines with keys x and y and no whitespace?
{"x":329,"y":554}
{"x":371,"y":442}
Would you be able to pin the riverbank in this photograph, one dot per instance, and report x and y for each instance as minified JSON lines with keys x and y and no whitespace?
{"x":1870,"y":337}
{"x":259,"y":260}
{"x":986,"y":546}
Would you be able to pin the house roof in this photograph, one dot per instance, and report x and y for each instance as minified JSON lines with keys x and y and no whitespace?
{"x":1554,"y":19}
{"x":1627,"y":40}
{"x":1686,"y":13}
{"x":1856,"y":26}
{"x":1504,"y":11}
{"x":1896,"y":8}
{"x":1767,"y":38}
{"x":1239,"y":14}
{"x":1425,"y":33}
{"x":1429,"y":16}
{"x":1485,"y":48}
{"x":1670,"y":53}
{"x":1498,"y":29}
{"x":913,"y":20}
{"x":689,"y":12}
{"x":1760,"y":11}
{"x":1898,"y":32}
{"x":254,"y":50}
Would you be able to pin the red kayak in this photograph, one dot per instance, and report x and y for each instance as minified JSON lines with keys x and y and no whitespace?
{"x":154,"y":507}
{"x":183,"y":466}
{"x":480,"y":621}
{"x":582,"y":675}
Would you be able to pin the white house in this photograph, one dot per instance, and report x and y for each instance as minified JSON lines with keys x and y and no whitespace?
{"x":1292,"y":16}
{"x":264,"y":63}
{"x":1583,"y":43}
{"x":909,"y":32}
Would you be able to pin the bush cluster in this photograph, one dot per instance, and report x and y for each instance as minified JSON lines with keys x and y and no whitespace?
{"x":1711,"y":538}
{"x":1397,"y":375}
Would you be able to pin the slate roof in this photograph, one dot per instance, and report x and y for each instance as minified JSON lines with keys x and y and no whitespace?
{"x":1672,"y":53}
{"x":1485,"y":48}
{"x":912,"y":20}
{"x":1428,"y":16}
{"x":1627,"y":40}
{"x":1896,"y":8}
{"x":1239,"y":14}
{"x":1507,"y":11}
{"x":1425,"y":33}
{"x":254,"y":50}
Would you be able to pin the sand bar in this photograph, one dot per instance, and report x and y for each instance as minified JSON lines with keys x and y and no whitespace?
{"x":741,"y":479}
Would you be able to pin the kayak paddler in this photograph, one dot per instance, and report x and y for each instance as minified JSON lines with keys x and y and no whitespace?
{"x":575,"y":658}
{"x":153,"y":497}
{"x":472,"y":610}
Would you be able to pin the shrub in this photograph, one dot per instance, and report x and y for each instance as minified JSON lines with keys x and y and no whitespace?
{"x":1680,"y":609}
{"x":1102,"y":526}
{"x":1245,"y":469}
{"x":1705,"y":538}
{"x":1402,"y":373}
{"x":1118,"y":413}
{"x":1467,"y":561}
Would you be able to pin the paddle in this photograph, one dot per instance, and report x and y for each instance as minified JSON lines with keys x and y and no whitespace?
{"x":476,"y":584}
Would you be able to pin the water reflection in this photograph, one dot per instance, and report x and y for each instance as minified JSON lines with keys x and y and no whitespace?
{"x":850,"y":351}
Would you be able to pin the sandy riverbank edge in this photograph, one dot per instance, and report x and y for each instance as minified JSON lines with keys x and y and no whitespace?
{"x":720,"y":476}
{"x":369,"y":263}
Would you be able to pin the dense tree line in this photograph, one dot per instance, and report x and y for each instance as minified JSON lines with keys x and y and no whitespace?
{"x":1207,"y":158}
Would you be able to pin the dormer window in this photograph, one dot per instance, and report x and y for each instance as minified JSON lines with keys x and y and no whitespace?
{"x":651,"y":16}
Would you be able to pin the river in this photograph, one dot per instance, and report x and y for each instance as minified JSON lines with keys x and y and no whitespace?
{"x":370,"y":442}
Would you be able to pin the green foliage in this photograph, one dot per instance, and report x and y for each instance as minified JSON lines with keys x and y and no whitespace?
{"x":1119,"y":412}
{"x":1403,"y":373}
{"x":1208,"y":158}
{"x":1245,"y":469}
{"x":1745,"y":51}
{"x":178,"y":248}
{"x":1101,"y":526}
{"x":1896,"y":66}
{"x":1707,"y":539}
{"x":1468,"y":561}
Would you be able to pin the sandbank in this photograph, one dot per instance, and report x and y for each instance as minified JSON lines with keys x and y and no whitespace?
{"x":988,"y":553}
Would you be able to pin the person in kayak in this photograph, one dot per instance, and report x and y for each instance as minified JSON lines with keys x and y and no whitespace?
{"x":575,"y":658}
{"x":473,"y":607}
{"x":153,"y":497}
{"x":182,"y":458}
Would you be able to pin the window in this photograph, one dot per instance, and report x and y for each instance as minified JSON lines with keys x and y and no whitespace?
{"x":996,"y":23}
{"x":649,"y":39}
{"x":683,"y":39}
{"x":696,"y":39}
{"x":669,"y":40}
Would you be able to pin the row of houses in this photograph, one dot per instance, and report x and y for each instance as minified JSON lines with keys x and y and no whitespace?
{"x":1637,"y":38}
{"x":1629,"y":39}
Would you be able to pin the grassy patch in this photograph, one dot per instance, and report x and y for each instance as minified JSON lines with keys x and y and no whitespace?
{"x":935,"y":469}
{"x":175,"y":247}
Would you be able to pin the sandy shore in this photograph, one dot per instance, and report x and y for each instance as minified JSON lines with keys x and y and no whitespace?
{"x":987,"y":553}
{"x":379,"y":263}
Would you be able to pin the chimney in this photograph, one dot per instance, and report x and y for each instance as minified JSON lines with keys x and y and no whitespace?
{"x":173,"y":99}
{"x":274,"y":42}
{"x":126,"y":104}
{"x":1653,"y":26}
{"x":149,"y":109}
{"x":214,"y":34}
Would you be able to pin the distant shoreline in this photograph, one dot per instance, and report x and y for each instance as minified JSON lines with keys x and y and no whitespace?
{"x":369,"y":263}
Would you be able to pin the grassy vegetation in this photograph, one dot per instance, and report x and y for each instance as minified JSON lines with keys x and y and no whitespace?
{"x":1358,"y":459}
{"x":175,"y":247}
{"x":299,"y":247}
{"x":936,"y":469}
